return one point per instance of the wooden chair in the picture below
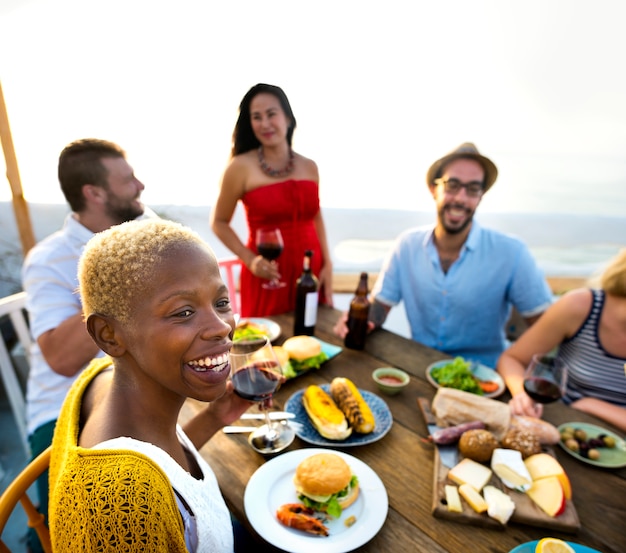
(228, 266)
(17, 492)
(13, 307)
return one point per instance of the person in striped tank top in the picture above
(588, 326)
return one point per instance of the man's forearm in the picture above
(378, 313)
(68, 347)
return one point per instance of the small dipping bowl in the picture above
(390, 380)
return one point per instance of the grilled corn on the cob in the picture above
(354, 407)
(325, 416)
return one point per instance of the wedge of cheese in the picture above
(548, 494)
(543, 465)
(510, 468)
(471, 473)
(499, 505)
(473, 497)
(453, 500)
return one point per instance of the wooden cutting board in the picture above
(526, 511)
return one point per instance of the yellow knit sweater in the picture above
(95, 492)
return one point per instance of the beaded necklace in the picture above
(275, 172)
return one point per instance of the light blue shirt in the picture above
(464, 311)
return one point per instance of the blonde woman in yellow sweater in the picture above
(124, 476)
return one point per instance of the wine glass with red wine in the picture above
(545, 378)
(257, 375)
(269, 243)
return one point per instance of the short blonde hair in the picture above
(118, 262)
(613, 279)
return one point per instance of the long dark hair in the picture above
(243, 135)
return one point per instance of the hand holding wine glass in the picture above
(269, 243)
(256, 375)
(545, 379)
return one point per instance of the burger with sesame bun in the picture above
(305, 353)
(324, 482)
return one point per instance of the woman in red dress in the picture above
(279, 188)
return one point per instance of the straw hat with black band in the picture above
(467, 150)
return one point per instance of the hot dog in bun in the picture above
(305, 352)
(324, 482)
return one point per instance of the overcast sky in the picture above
(379, 89)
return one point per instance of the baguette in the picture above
(452, 407)
(324, 414)
(546, 433)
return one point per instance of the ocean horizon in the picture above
(564, 245)
(549, 112)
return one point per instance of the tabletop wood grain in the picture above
(404, 461)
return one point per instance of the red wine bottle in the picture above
(357, 317)
(306, 299)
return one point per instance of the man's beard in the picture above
(123, 211)
(455, 229)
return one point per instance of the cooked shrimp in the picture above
(298, 516)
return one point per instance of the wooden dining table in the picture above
(404, 460)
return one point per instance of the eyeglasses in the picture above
(452, 186)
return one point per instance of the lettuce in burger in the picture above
(324, 482)
(305, 353)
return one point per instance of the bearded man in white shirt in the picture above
(102, 190)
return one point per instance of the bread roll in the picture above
(322, 474)
(302, 347)
(521, 440)
(478, 445)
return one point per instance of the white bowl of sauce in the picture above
(390, 380)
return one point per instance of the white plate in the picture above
(481, 372)
(273, 329)
(272, 486)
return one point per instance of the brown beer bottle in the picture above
(306, 299)
(357, 317)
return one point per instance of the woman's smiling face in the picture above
(268, 120)
(179, 333)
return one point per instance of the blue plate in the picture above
(329, 349)
(382, 418)
(529, 547)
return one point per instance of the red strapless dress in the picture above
(290, 206)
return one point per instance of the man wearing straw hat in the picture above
(101, 190)
(457, 279)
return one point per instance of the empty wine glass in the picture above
(256, 375)
(545, 379)
(269, 243)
